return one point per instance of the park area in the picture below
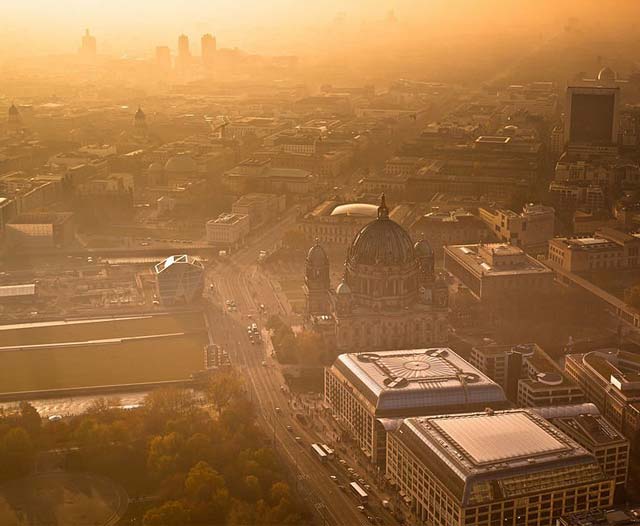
(69, 499)
(101, 352)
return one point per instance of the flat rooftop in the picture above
(499, 437)
(593, 429)
(227, 219)
(421, 379)
(469, 255)
(507, 453)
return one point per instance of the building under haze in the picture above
(505, 467)
(208, 49)
(88, 48)
(183, 59)
(389, 296)
(592, 122)
(362, 388)
(179, 279)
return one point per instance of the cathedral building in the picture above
(389, 297)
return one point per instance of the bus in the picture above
(328, 451)
(360, 494)
(319, 452)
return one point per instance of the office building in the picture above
(609, 248)
(183, 59)
(610, 378)
(228, 230)
(530, 230)
(601, 518)
(494, 272)
(529, 376)
(260, 208)
(599, 438)
(208, 49)
(362, 388)
(88, 47)
(510, 468)
(179, 279)
(592, 116)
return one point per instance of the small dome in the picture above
(381, 242)
(423, 248)
(317, 256)
(181, 164)
(607, 74)
(155, 167)
(343, 289)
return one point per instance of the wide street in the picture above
(239, 279)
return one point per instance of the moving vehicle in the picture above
(328, 451)
(317, 450)
(359, 493)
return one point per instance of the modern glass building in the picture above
(179, 279)
(510, 468)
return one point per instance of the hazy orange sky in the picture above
(136, 26)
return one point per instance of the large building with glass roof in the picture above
(366, 390)
(179, 279)
(506, 467)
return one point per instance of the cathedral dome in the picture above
(181, 163)
(607, 74)
(317, 256)
(381, 242)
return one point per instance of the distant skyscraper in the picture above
(163, 57)
(592, 115)
(88, 48)
(184, 55)
(208, 44)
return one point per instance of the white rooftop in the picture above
(499, 437)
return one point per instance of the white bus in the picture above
(360, 494)
(319, 452)
(328, 451)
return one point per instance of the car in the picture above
(278, 409)
(343, 461)
(144, 244)
(55, 418)
(334, 478)
(298, 440)
(156, 302)
(282, 388)
(371, 519)
(361, 509)
(289, 428)
(367, 487)
(351, 470)
(264, 363)
(361, 481)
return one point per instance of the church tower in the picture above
(317, 281)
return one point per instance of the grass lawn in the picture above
(155, 359)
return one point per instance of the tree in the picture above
(203, 481)
(221, 389)
(171, 513)
(16, 452)
(30, 417)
